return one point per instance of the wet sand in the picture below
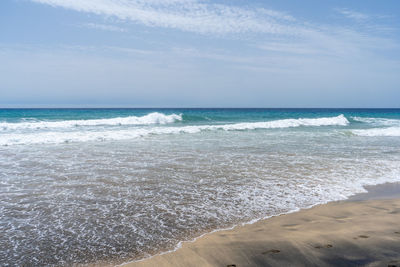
(361, 231)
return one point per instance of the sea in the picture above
(84, 186)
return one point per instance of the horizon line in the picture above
(127, 107)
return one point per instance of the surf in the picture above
(107, 134)
(152, 118)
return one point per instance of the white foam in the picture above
(391, 131)
(340, 191)
(124, 134)
(287, 123)
(378, 121)
(152, 118)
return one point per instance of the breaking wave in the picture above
(391, 131)
(378, 121)
(124, 134)
(152, 118)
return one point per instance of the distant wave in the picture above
(286, 123)
(124, 134)
(377, 121)
(152, 118)
(391, 131)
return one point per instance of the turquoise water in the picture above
(114, 185)
(190, 115)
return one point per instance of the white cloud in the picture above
(187, 15)
(351, 14)
(103, 27)
(207, 17)
(277, 32)
(294, 48)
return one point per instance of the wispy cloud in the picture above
(103, 27)
(187, 15)
(351, 14)
(290, 48)
(278, 33)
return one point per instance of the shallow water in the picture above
(80, 186)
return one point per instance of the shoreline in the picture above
(196, 252)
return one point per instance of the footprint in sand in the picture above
(290, 225)
(272, 251)
(361, 236)
(397, 232)
(394, 263)
(326, 246)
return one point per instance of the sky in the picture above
(199, 53)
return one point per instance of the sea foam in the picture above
(391, 131)
(152, 118)
(286, 123)
(378, 121)
(106, 134)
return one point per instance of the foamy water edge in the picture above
(180, 243)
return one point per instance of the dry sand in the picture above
(364, 231)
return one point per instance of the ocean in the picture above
(114, 185)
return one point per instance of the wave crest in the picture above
(152, 118)
(391, 131)
(125, 134)
(287, 123)
(378, 121)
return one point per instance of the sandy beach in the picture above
(362, 231)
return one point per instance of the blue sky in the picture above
(199, 53)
